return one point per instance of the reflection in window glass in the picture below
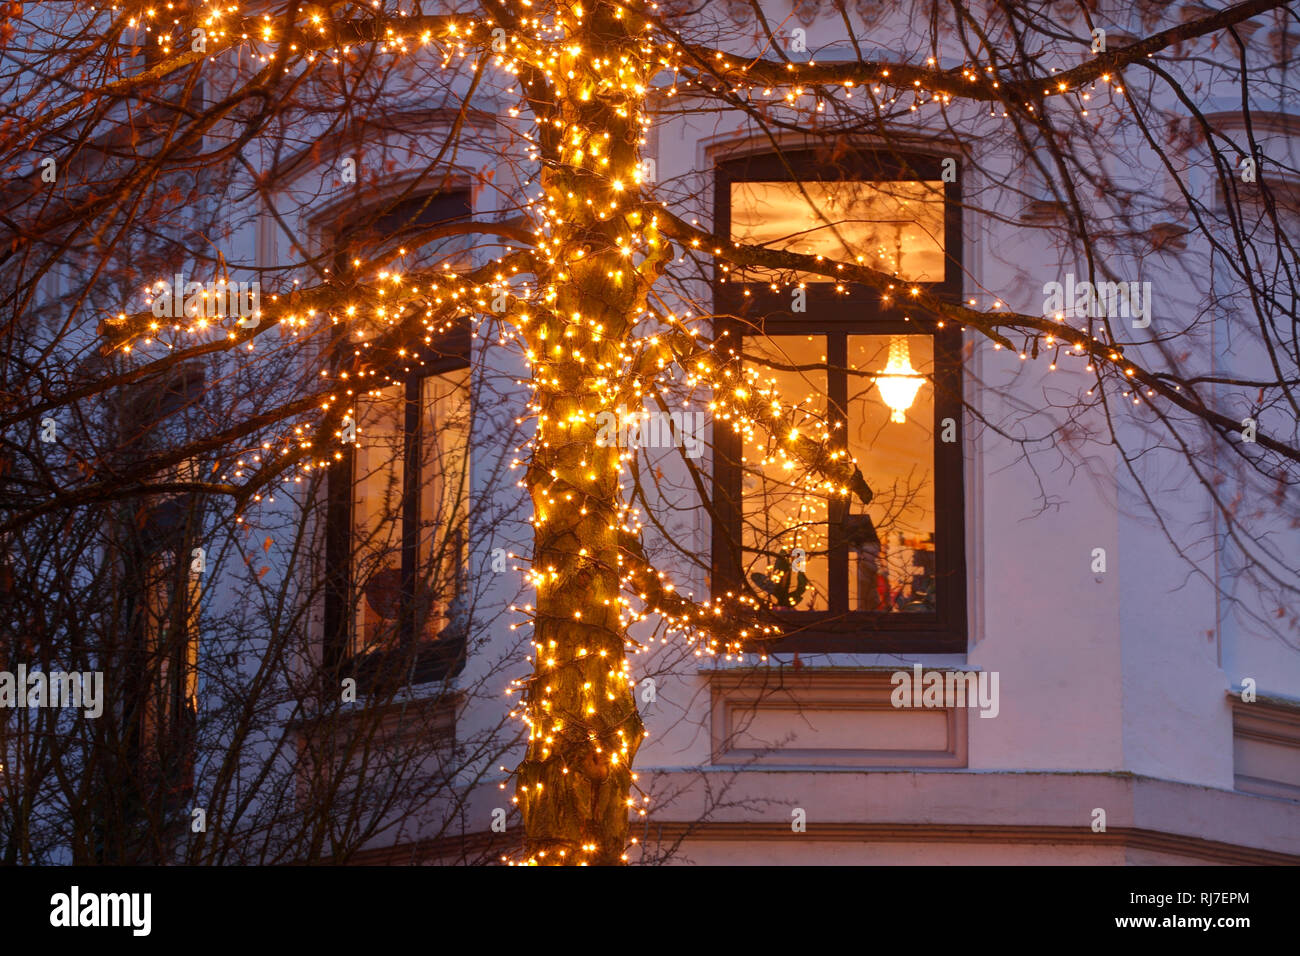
(891, 553)
(444, 501)
(791, 531)
(785, 517)
(377, 518)
(436, 524)
(400, 225)
(896, 227)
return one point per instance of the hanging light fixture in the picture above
(898, 381)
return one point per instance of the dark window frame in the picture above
(447, 352)
(856, 311)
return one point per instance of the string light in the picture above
(585, 355)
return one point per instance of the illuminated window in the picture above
(882, 380)
(891, 226)
(400, 502)
(410, 514)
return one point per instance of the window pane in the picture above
(399, 225)
(444, 503)
(405, 221)
(891, 541)
(377, 519)
(893, 226)
(784, 514)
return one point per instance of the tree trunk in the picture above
(574, 785)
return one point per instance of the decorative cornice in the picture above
(1135, 838)
(484, 846)
(367, 131)
(739, 11)
(807, 11)
(872, 12)
(1270, 121)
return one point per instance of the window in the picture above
(161, 589)
(398, 539)
(897, 227)
(841, 574)
(401, 222)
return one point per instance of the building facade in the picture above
(1006, 655)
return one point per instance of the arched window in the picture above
(843, 574)
(398, 519)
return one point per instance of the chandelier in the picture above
(898, 381)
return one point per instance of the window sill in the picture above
(837, 662)
(826, 632)
(432, 665)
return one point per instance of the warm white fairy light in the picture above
(551, 51)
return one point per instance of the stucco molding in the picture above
(1194, 850)
(737, 145)
(1266, 747)
(484, 846)
(836, 718)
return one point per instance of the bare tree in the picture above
(147, 142)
